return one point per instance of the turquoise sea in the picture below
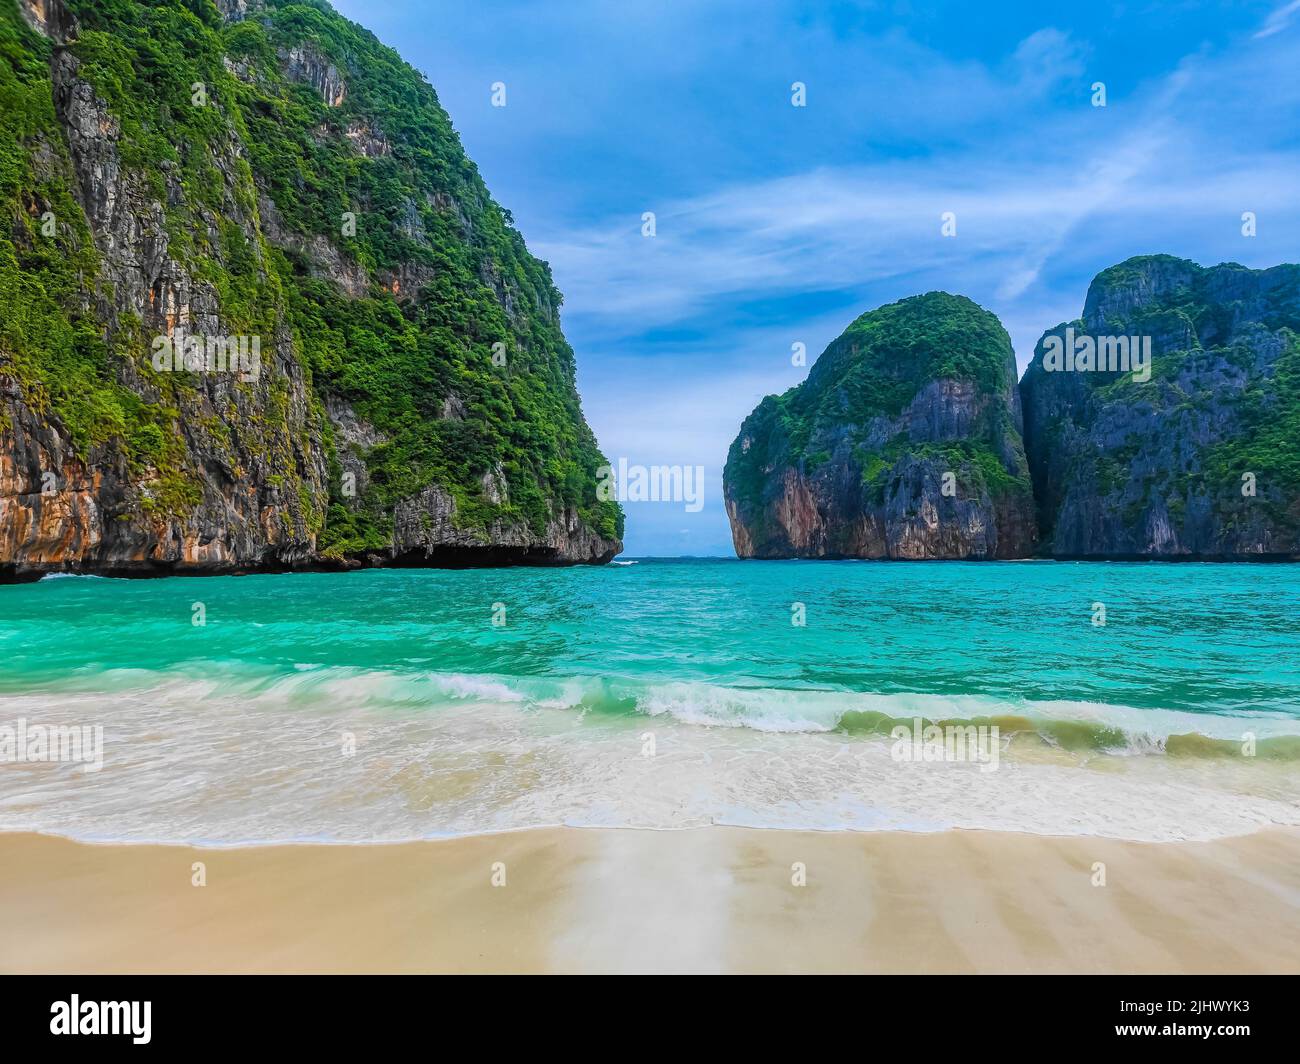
(393, 704)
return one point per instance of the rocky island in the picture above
(904, 442)
(1199, 460)
(1162, 424)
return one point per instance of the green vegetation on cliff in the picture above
(1201, 459)
(317, 186)
(1214, 310)
(47, 338)
(875, 369)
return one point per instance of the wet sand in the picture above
(706, 900)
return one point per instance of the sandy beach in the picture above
(707, 900)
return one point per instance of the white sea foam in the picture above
(459, 686)
(766, 709)
(760, 709)
(224, 757)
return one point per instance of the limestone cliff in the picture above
(904, 442)
(1195, 454)
(260, 312)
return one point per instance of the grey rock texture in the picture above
(1201, 461)
(59, 512)
(892, 448)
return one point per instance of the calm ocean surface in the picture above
(416, 703)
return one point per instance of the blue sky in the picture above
(778, 224)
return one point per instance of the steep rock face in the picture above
(287, 209)
(1201, 460)
(904, 442)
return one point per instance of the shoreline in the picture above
(714, 899)
(306, 842)
(13, 576)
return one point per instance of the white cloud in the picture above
(1046, 58)
(1278, 20)
(1127, 179)
(845, 228)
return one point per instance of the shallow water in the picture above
(388, 704)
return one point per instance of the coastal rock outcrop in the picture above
(903, 442)
(1190, 448)
(241, 285)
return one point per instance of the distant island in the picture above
(1162, 424)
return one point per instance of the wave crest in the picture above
(1075, 727)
